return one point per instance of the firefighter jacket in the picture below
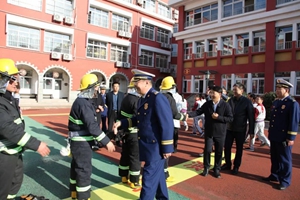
(128, 109)
(176, 115)
(13, 138)
(155, 126)
(83, 124)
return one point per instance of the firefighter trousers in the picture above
(81, 169)
(11, 175)
(130, 164)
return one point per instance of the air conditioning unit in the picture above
(69, 20)
(175, 14)
(128, 35)
(67, 56)
(121, 33)
(140, 2)
(58, 17)
(55, 55)
(119, 64)
(126, 65)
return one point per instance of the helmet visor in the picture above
(4, 78)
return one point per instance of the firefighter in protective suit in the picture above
(13, 138)
(83, 131)
(168, 88)
(130, 164)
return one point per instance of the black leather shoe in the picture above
(217, 174)
(281, 187)
(235, 171)
(225, 167)
(268, 179)
(205, 172)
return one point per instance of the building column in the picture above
(249, 83)
(192, 84)
(295, 32)
(232, 81)
(251, 39)
(206, 45)
(220, 6)
(40, 87)
(294, 82)
(180, 63)
(270, 56)
(270, 5)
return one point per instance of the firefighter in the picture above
(83, 132)
(168, 88)
(130, 164)
(13, 138)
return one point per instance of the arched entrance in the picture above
(28, 80)
(56, 84)
(101, 77)
(122, 79)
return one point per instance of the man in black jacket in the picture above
(217, 113)
(242, 109)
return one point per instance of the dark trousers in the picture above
(281, 163)
(130, 162)
(11, 174)
(112, 117)
(166, 165)
(81, 169)
(218, 142)
(239, 138)
(153, 181)
(175, 139)
(104, 127)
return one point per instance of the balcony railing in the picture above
(187, 56)
(211, 54)
(193, 22)
(226, 52)
(284, 45)
(258, 48)
(284, 1)
(199, 55)
(242, 50)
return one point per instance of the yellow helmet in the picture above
(88, 81)
(167, 83)
(8, 66)
(131, 84)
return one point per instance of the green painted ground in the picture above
(49, 176)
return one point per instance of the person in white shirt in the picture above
(183, 110)
(199, 101)
(259, 126)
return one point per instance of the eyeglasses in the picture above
(13, 79)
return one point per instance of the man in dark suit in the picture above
(217, 113)
(155, 125)
(113, 102)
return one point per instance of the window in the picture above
(118, 53)
(163, 36)
(226, 81)
(259, 41)
(55, 42)
(258, 83)
(98, 17)
(200, 49)
(25, 81)
(227, 45)
(212, 48)
(164, 10)
(188, 51)
(186, 88)
(298, 42)
(297, 83)
(284, 1)
(96, 49)
(62, 7)
(202, 15)
(23, 37)
(232, 7)
(161, 61)
(32, 4)
(120, 23)
(175, 28)
(149, 5)
(284, 38)
(242, 78)
(251, 5)
(147, 31)
(242, 44)
(174, 50)
(146, 58)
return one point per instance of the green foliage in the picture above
(268, 100)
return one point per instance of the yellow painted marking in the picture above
(181, 172)
(46, 115)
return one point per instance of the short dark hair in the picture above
(260, 96)
(240, 86)
(116, 83)
(217, 89)
(253, 96)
